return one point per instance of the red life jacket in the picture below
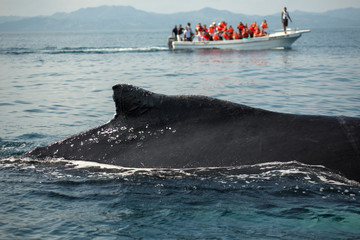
(206, 37)
(226, 36)
(252, 29)
(216, 38)
(257, 33)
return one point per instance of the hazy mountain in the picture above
(4, 19)
(125, 17)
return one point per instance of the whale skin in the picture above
(152, 130)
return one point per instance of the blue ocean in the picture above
(54, 85)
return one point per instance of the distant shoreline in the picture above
(118, 18)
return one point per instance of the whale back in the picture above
(139, 106)
(156, 130)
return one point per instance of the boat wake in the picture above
(80, 50)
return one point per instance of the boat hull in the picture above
(276, 40)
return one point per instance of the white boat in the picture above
(270, 41)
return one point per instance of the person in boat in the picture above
(180, 33)
(237, 35)
(187, 34)
(264, 26)
(219, 28)
(231, 30)
(199, 27)
(211, 30)
(226, 35)
(285, 16)
(204, 27)
(246, 33)
(190, 29)
(216, 37)
(197, 36)
(189, 26)
(174, 32)
(240, 26)
(259, 33)
(252, 29)
(205, 36)
(234, 36)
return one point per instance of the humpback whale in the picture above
(152, 130)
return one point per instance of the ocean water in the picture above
(54, 85)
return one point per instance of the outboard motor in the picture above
(170, 41)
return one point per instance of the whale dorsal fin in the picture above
(141, 106)
(131, 101)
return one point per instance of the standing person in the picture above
(180, 33)
(187, 34)
(284, 19)
(174, 32)
(190, 29)
(264, 26)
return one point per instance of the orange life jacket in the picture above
(206, 37)
(226, 36)
(216, 38)
(252, 29)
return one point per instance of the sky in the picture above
(27, 8)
